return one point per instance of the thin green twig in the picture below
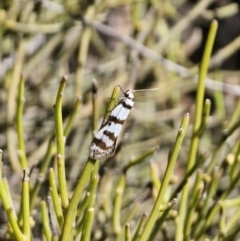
(127, 232)
(60, 144)
(196, 126)
(25, 205)
(72, 209)
(171, 162)
(9, 209)
(19, 119)
(45, 220)
(55, 197)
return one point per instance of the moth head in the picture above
(129, 94)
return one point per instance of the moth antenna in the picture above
(145, 90)
(121, 88)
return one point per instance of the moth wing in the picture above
(99, 151)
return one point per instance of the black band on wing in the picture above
(110, 135)
(125, 105)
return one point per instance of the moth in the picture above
(104, 142)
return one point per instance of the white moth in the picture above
(104, 142)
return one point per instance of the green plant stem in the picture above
(42, 171)
(186, 177)
(32, 28)
(89, 213)
(11, 105)
(50, 151)
(120, 190)
(127, 232)
(8, 193)
(118, 203)
(229, 131)
(112, 103)
(55, 197)
(232, 126)
(222, 222)
(88, 225)
(25, 205)
(200, 92)
(140, 158)
(95, 105)
(167, 205)
(219, 97)
(196, 194)
(163, 216)
(51, 225)
(171, 162)
(214, 209)
(60, 144)
(234, 170)
(45, 221)
(9, 209)
(105, 188)
(155, 175)
(211, 191)
(72, 117)
(83, 205)
(233, 221)
(232, 234)
(72, 209)
(83, 50)
(19, 124)
(55, 238)
(128, 217)
(205, 115)
(234, 117)
(196, 126)
(140, 227)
